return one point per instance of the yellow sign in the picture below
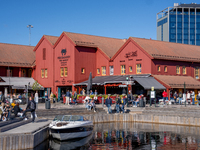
(152, 88)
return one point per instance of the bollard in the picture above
(102, 99)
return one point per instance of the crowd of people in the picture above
(10, 108)
(179, 97)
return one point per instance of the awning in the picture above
(17, 82)
(149, 82)
(178, 81)
(102, 80)
(144, 80)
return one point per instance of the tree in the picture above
(36, 86)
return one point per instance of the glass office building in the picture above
(179, 24)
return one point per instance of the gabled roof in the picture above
(51, 39)
(16, 55)
(178, 81)
(169, 50)
(108, 45)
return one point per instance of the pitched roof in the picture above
(178, 81)
(51, 39)
(108, 45)
(169, 50)
(16, 55)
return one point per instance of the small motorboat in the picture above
(65, 127)
(70, 144)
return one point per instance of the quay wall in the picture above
(146, 118)
(23, 141)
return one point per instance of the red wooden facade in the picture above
(70, 58)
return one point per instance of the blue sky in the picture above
(109, 18)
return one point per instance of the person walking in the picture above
(164, 94)
(118, 102)
(175, 96)
(51, 98)
(192, 95)
(180, 97)
(67, 97)
(75, 97)
(108, 104)
(123, 103)
(36, 99)
(30, 108)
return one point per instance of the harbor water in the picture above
(131, 136)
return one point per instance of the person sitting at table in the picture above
(136, 101)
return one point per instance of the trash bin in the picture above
(47, 104)
(141, 103)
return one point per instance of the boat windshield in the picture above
(58, 118)
(69, 118)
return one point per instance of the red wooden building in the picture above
(16, 66)
(65, 62)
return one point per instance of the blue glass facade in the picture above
(183, 25)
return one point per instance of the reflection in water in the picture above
(134, 136)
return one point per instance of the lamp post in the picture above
(131, 87)
(185, 94)
(29, 26)
(127, 85)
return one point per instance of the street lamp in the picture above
(29, 26)
(131, 87)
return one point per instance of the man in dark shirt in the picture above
(16, 109)
(30, 108)
(118, 102)
(108, 104)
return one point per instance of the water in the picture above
(114, 136)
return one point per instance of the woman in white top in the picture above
(188, 96)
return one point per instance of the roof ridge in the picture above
(51, 35)
(163, 41)
(17, 44)
(94, 35)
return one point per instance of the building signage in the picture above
(131, 54)
(63, 59)
(63, 81)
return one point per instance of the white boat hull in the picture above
(73, 135)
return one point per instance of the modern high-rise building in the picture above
(179, 24)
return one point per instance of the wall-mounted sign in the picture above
(69, 81)
(131, 54)
(63, 52)
(57, 81)
(63, 59)
(63, 81)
